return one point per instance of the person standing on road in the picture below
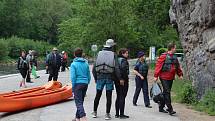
(167, 66)
(105, 71)
(122, 90)
(23, 67)
(64, 61)
(141, 72)
(53, 63)
(29, 58)
(80, 76)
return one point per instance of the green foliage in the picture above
(185, 92)
(161, 50)
(33, 19)
(188, 94)
(207, 104)
(13, 46)
(136, 25)
(3, 49)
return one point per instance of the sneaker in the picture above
(94, 114)
(123, 116)
(116, 116)
(108, 116)
(134, 104)
(148, 106)
(162, 111)
(172, 112)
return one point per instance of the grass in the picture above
(184, 92)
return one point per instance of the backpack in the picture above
(23, 64)
(105, 62)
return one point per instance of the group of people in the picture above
(54, 61)
(111, 69)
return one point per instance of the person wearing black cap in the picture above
(141, 72)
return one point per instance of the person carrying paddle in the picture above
(80, 76)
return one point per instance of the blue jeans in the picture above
(79, 94)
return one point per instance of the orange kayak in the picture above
(16, 102)
(49, 86)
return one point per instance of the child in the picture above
(80, 76)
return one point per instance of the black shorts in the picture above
(23, 72)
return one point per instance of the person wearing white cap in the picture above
(105, 67)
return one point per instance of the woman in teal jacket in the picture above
(80, 76)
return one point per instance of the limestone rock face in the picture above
(195, 22)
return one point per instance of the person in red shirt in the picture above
(167, 66)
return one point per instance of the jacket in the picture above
(124, 68)
(115, 76)
(167, 75)
(79, 71)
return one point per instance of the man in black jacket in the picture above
(122, 90)
(53, 63)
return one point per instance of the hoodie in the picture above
(80, 72)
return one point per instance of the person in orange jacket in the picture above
(167, 66)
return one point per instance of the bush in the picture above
(160, 51)
(3, 49)
(188, 94)
(185, 92)
(207, 104)
(16, 45)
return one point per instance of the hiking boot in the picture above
(123, 116)
(162, 111)
(94, 114)
(108, 116)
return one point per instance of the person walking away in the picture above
(122, 90)
(141, 72)
(64, 61)
(167, 66)
(23, 67)
(53, 63)
(80, 76)
(104, 69)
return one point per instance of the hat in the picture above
(140, 54)
(110, 43)
(63, 52)
(54, 48)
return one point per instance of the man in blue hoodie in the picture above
(80, 76)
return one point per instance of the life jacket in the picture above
(120, 59)
(105, 62)
(169, 61)
(23, 64)
(143, 68)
